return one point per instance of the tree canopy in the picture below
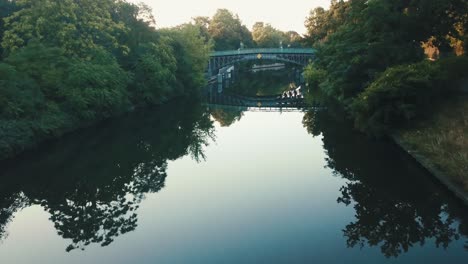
(228, 32)
(357, 41)
(68, 63)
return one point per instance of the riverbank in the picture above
(440, 144)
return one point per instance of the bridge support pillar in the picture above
(220, 82)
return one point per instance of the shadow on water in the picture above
(397, 204)
(92, 182)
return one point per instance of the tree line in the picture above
(371, 57)
(68, 63)
(226, 31)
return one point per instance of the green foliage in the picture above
(139, 24)
(7, 8)
(266, 36)
(403, 93)
(364, 43)
(76, 26)
(314, 76)
(19, 95)
(154, 78)
(203, 24)
(293, 40)
(47, 66)
(75, 62)
(192, 54)
(227, 31)
(95, 89)
(396, 97)
(373, 39)
(321, 23)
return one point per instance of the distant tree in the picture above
(293, 39)
(321, 23)
(139, 30)
(203, 23)
(227, 31)
(266, 36)
(316, 24)
(192, 54)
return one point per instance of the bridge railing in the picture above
(259, 51)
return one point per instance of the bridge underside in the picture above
(218, 62)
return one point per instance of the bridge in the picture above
(270, 102)
(220, 59)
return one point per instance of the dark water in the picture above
(184, 184)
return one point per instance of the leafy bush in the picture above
(47, 66)
(192, 55)
(154, 75)
(19, 95)
(15, 135)
(405, 92)
(95, 89)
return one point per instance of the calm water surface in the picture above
(187, 184)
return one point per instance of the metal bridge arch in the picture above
(221, 59)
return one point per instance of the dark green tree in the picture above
(7, 8)
(266, 36)
(75, 26)
(227, 31)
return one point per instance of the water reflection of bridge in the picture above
(257, 101)
(258, 109)
(261, 103)
(220, 70)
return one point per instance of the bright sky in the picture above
(284, 15)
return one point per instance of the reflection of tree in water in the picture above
(92, 185)
(9, 205)
(226, 116)
(98, 215)
(396, 206)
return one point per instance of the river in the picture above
(185, 183)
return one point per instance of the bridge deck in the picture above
(259, 51)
